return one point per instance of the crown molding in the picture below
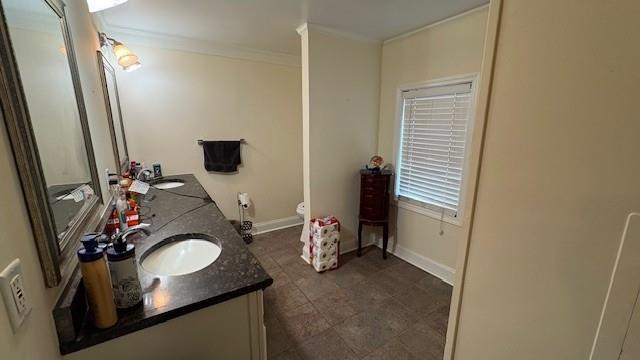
(33, 21)
(439, 22)
(172, 42)
(98, 21)
(335, 32)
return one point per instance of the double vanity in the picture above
(202, 288)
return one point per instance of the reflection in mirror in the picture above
(114, 112)
(40, 51)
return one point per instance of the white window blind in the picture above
(432, 146)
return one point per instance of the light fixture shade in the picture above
(98, 5)
(125, 56)
(132, 67)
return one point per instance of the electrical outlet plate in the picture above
(13, 294)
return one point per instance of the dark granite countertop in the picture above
(236, 272)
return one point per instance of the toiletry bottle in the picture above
(114, 188)
(133, 218)
(113, 223)
(132, 169)
(122, 206)
(134, 209)
(157, 170)
(97, 284)
(124, 273)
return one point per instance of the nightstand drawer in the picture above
(372, 212)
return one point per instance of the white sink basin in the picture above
(181, 257)
(65, 197)
(168, 185)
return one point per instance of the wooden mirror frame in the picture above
(57, 256)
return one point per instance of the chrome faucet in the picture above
(145, 174)
(132, 230)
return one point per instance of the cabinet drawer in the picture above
(372, 212)
(371, 197)
(374, 180)
(374, 189)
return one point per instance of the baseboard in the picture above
(277, 224)
(444, 272)
(348, 246)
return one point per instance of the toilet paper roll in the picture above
(321, 231)
(322, 243)
(321, 265)
(322, 256)
(331, 251)
(328, 264)
(244, 199)
(334, 238)
(333, 263)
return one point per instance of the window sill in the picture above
(427, 212)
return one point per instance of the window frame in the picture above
(420, 207)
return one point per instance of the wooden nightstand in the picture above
(374, 204)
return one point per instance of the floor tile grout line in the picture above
(331, 327)
(299, 306)
(363, 271)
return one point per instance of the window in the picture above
(432, 150)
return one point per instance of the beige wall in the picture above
(341, 123)
(36, 339)
(178, 97)
(449, 49)
(16, 241)
(560, 173)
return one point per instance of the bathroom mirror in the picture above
(114, 112)
(43, 108)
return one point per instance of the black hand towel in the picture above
(221, 156)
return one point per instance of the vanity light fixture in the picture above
(125, 57)
(99, 5)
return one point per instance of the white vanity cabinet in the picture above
(231, 330)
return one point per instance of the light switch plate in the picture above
(14, 295)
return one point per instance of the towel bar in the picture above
(242, 141)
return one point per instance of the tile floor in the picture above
(369, 308)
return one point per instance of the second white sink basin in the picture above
(181, 257)
(168, 185)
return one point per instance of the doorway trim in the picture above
(477, 144)
(622, 295)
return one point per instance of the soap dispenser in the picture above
(124, 273)
(95, 277)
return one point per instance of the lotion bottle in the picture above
(97, 283)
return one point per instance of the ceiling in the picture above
(269, 25)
